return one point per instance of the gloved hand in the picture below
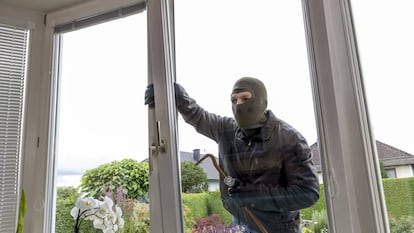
(243, 188)
(179, 91)
(246, 194)
(149, 96)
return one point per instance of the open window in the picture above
(349, 164)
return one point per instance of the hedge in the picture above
(205, 204)
(399, 198)
(197, 203)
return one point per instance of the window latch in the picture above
(160, 145)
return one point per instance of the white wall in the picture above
(213, 185)
(404, 171)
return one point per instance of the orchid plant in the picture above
(104, 214)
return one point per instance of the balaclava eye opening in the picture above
(251, 113)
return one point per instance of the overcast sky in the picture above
(104, 75)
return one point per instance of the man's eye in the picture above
(233, 100)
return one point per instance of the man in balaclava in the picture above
(269, 170)
(250, 111)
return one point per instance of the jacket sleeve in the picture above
(205, 123)
(301, 188)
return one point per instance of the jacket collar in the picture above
(265, 132)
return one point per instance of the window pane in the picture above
(102, 122)
(386, 49)
(218, 42)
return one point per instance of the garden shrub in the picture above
(319, 221)
(215, 206)
(318, 206)
(197, 203)
(210, 220)
(399, 196)
(65, 201)
(214, 223)
(403, 224)
(193, 178)
(127, 173)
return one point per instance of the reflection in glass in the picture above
(265, 41)
(386, 51)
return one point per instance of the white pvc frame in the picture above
(354, 194)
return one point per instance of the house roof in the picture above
(388, 155)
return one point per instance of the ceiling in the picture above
(42, 5)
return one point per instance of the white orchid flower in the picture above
(110, 218)
(75, 212)
(119, 216)
(108, 230)
(100, 212)
(98, 223)
(104, 207)
(84, 207)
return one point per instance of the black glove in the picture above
(243, 188)
(149, 96)
(179, 91)
(248, 194)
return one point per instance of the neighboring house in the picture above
(397, 163)
(207, 165)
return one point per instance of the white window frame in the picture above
(352, 177)
(164, 170)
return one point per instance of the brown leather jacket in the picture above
(274, 167)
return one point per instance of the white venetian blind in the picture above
(13, 50)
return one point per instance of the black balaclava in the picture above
(251, 113)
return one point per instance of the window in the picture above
(386, 51)
(343, 130)
(391, 173)
(101, 130)
(228, 40)
(13, 52)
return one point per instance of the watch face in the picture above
(229, 181)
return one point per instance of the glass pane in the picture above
(102, 125)
(218, 42)
(385, 42)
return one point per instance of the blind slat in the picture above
(13, 52)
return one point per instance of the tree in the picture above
(126, 174)
(193, 178)
(383, 171)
